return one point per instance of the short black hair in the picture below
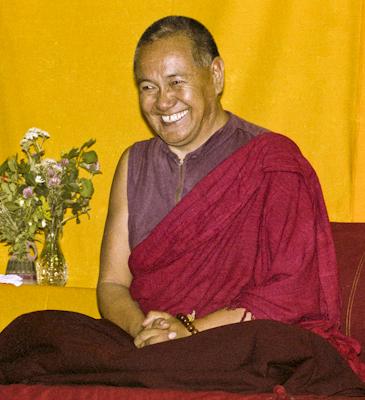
(204, 47)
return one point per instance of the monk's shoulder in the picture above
(279, 152)
(277, 142)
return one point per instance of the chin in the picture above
(173, 140)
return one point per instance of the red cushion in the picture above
(349, 241)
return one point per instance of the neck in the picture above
(220, 120)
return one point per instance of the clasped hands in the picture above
(158, 327)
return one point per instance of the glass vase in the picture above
(51, 266)
(24, 266)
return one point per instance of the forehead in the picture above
(172, 54)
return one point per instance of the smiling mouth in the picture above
(168, 119)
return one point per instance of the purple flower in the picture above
(50, 172)
(27, 192)
(54, 181)
(64, 162)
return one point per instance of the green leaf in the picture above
(74, 152)
(76, 208)
(12, 164)
(73, 187)
(41, 190)
(74, 173)
(11, 206)
(29, 179)
(32, 229)
(68, 203)
(23, 167)
(4, 167)
(12, 187)
(5, 188)
(89, 157)
(87, 187)
(88, 144)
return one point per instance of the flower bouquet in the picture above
(42, 194)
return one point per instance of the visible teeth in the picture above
(174, 117)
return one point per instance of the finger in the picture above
(147, 339)
(137, 342)
(145, 335)
(157, 339)
(160, 323)
(153, 315)
(140, 342)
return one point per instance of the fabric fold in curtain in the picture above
(358, 183)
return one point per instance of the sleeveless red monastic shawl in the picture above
(253, 233)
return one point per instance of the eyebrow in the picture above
(139, 81)
(175, 75)
(183, 75)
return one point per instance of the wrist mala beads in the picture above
(187, 323)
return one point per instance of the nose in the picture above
(165, 99)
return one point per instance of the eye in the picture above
(177, 82)
(146, 87)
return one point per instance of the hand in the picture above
(159, 327)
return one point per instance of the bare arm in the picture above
(114, 300)
(222, 317)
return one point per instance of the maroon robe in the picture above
(255, 234)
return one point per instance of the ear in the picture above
(217, 70)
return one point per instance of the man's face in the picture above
(178, 98)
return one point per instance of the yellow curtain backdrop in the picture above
(358, 182)
(293, 66)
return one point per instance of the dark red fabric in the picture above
(99, 392)
(349, 241)
(255, 234)
(55, 347)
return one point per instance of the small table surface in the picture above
(26, 298)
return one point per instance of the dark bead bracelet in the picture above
(187, 323)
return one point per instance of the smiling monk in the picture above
(217, 269)
(180, 78)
